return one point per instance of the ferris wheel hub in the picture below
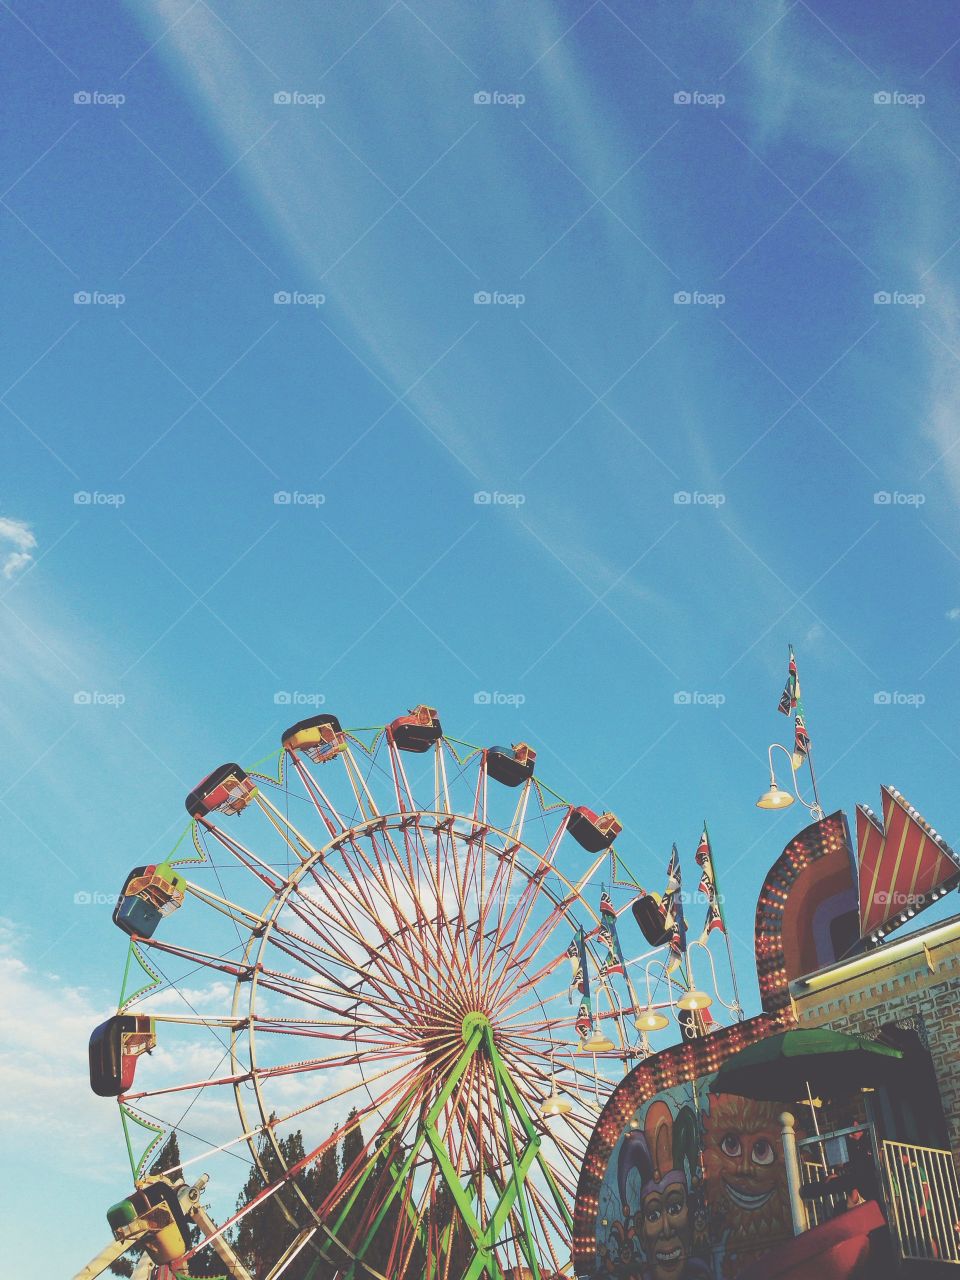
(472, 1023)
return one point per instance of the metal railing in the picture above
(923, 1201)
(819, 1208)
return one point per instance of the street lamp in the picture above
(775, 797)
(554, 1104)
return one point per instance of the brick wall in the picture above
(924, 986)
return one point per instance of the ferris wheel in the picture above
(388, 1001)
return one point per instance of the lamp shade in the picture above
(775, 798)
(651, 1019)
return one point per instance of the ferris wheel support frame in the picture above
(478, 1038)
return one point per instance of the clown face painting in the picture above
(655, 1239)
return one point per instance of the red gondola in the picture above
(511, 767)
(114, 1048)
(594, 833)
(227, 790)
(417, 731)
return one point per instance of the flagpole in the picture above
(809, 752)
(723, 919)
(813, 778)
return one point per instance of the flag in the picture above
(576, 966)
(672, 903)
(613, 962)
(713, 921)
(708, 887)
(584, 1021)
(801, 739)
(791, 690)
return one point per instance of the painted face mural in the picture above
(696, 1188)
(659, 1198)
(743, 1165)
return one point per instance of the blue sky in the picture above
(781, 198)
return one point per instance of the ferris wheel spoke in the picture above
(410, 881)
(201, 959)
(223, 905)
(384, 958)
(246, 857)
(292, 1170)
(294, 839)
(362, 793)
(380, 874)
(327, 811)
(527, 953)
(309, 994)
(528, 895)
(384, 989)
(405, 800)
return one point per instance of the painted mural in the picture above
(695, 1188)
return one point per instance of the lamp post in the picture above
(776, 798)
(651, 1019)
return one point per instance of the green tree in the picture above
(266, 1231)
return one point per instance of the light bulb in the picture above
(693, 999)
(651, 1020)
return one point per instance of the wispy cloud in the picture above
(18, 535)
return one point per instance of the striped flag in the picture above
(584, 1019)
(613, 961)
(791, 690)
(708, 887)
(801, 739)
(576, 966)
(672, 904)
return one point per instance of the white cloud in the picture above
(953, 614)
(19, 534)
(45, 1095)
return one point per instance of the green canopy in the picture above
(781, 1067)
